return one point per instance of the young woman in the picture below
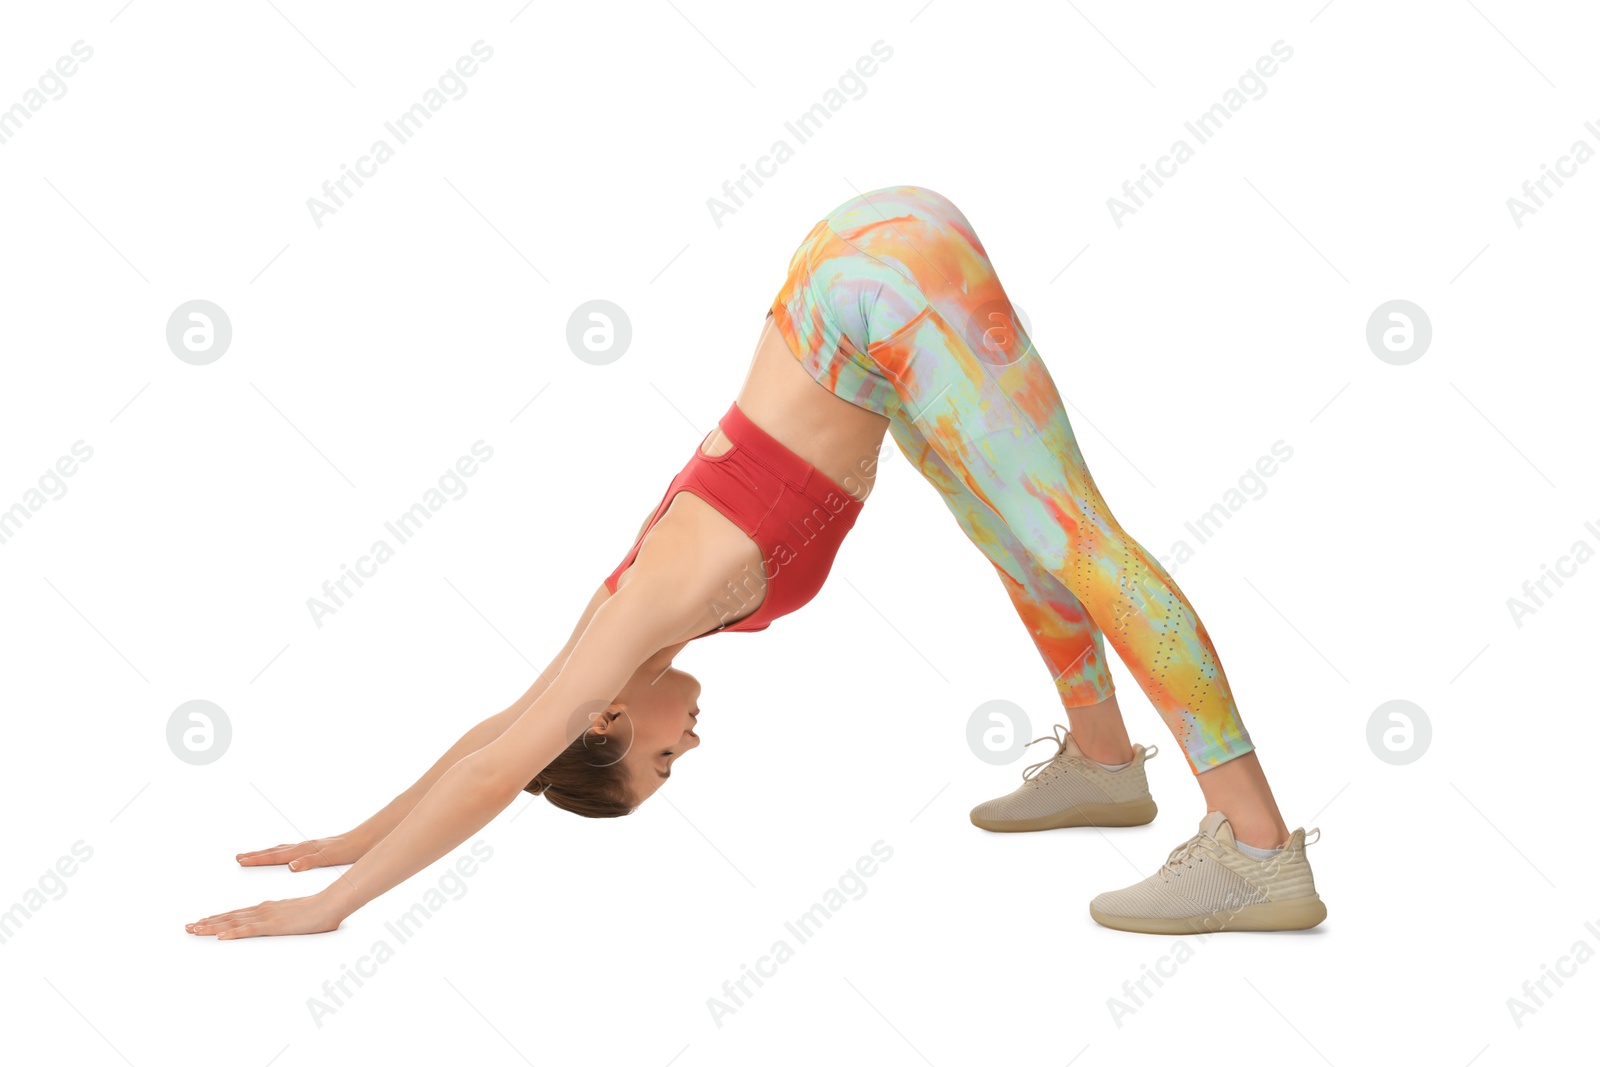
(891, 319)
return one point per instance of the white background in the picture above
(368, 354)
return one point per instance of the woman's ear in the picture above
(605, 720)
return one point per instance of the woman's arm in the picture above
(624, 631)
(349, 847)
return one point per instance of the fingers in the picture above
(275, 854)
(311, 859)
(231, 928)
(215, 923)
(264, 920)
(235, 913)
(252, 929)
(258, 927)
(300, 857)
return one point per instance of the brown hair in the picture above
(585, 780)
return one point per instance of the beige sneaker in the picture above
(1069, 789)
(1208, 885)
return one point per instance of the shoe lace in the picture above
(1185, 856)
(1038, 771)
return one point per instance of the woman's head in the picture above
(629, 749)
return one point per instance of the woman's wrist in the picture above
(341, 897)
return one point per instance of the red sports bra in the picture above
(794, 513)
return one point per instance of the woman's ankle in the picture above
(1098, 731)
(1238, 788)
(1105, 751)
(1262, 831)
(1103, 745)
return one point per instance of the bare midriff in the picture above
(835, 436)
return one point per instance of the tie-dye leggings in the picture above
(891, 302)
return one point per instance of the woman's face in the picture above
(653, 720)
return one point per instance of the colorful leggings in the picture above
(891, 302)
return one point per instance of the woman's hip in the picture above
(880, 277)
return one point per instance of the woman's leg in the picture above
(1068, 641)
(1146, 616)
(913, 295)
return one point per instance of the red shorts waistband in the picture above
(777, 457)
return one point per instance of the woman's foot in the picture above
(1209, 884)
(1070, 789)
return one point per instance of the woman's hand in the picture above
(322, 852)
(315, 914)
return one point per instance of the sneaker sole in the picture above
(1300, 913)
(1128, 813)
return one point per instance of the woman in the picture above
(892, 307)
